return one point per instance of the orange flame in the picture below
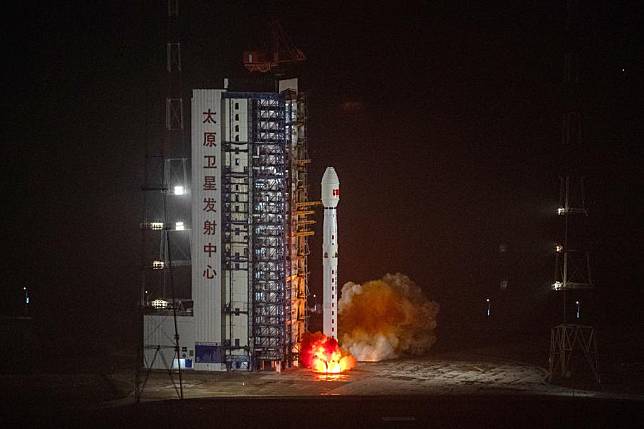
(324, 355)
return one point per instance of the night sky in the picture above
(442, 119)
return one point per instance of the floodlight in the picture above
(159, 303)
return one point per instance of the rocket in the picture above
(330, 199)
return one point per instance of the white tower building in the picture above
(242, 237)
(330, 199)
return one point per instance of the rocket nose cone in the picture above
(330, 177)
(330, 188)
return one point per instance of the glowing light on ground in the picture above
(324, 355)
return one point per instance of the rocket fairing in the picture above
(330, 198)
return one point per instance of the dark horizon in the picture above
(443, 122)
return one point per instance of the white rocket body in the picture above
(330, 199)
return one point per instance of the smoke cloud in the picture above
(383, 319)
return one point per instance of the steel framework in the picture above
(572, 260)
(236, 241)
(265, 229)
(165, 254)
(300, 222)
(565, 339)
(269, 213)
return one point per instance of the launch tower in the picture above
(249, 223)
(226, 224)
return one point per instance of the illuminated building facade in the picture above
(248, 232)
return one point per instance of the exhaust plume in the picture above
(323, 354)
(382, 319)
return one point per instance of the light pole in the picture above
(578, 309)
(25, 289)
(489, 307)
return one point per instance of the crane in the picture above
(282, 53)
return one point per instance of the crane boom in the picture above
(282, 53)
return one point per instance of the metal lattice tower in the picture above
(566, 340)
(300, 222)
(572, 258)
(264, 227)
(166, 188)
(270, 199)
(165, 288)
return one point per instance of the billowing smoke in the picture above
(382, 319)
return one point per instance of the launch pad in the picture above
(399, 377)
(440, 390)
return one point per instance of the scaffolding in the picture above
(269, 215)
(236, 241)
(300, 222)
(265, 229)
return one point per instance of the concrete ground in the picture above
(422, 376)
(442, 390)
